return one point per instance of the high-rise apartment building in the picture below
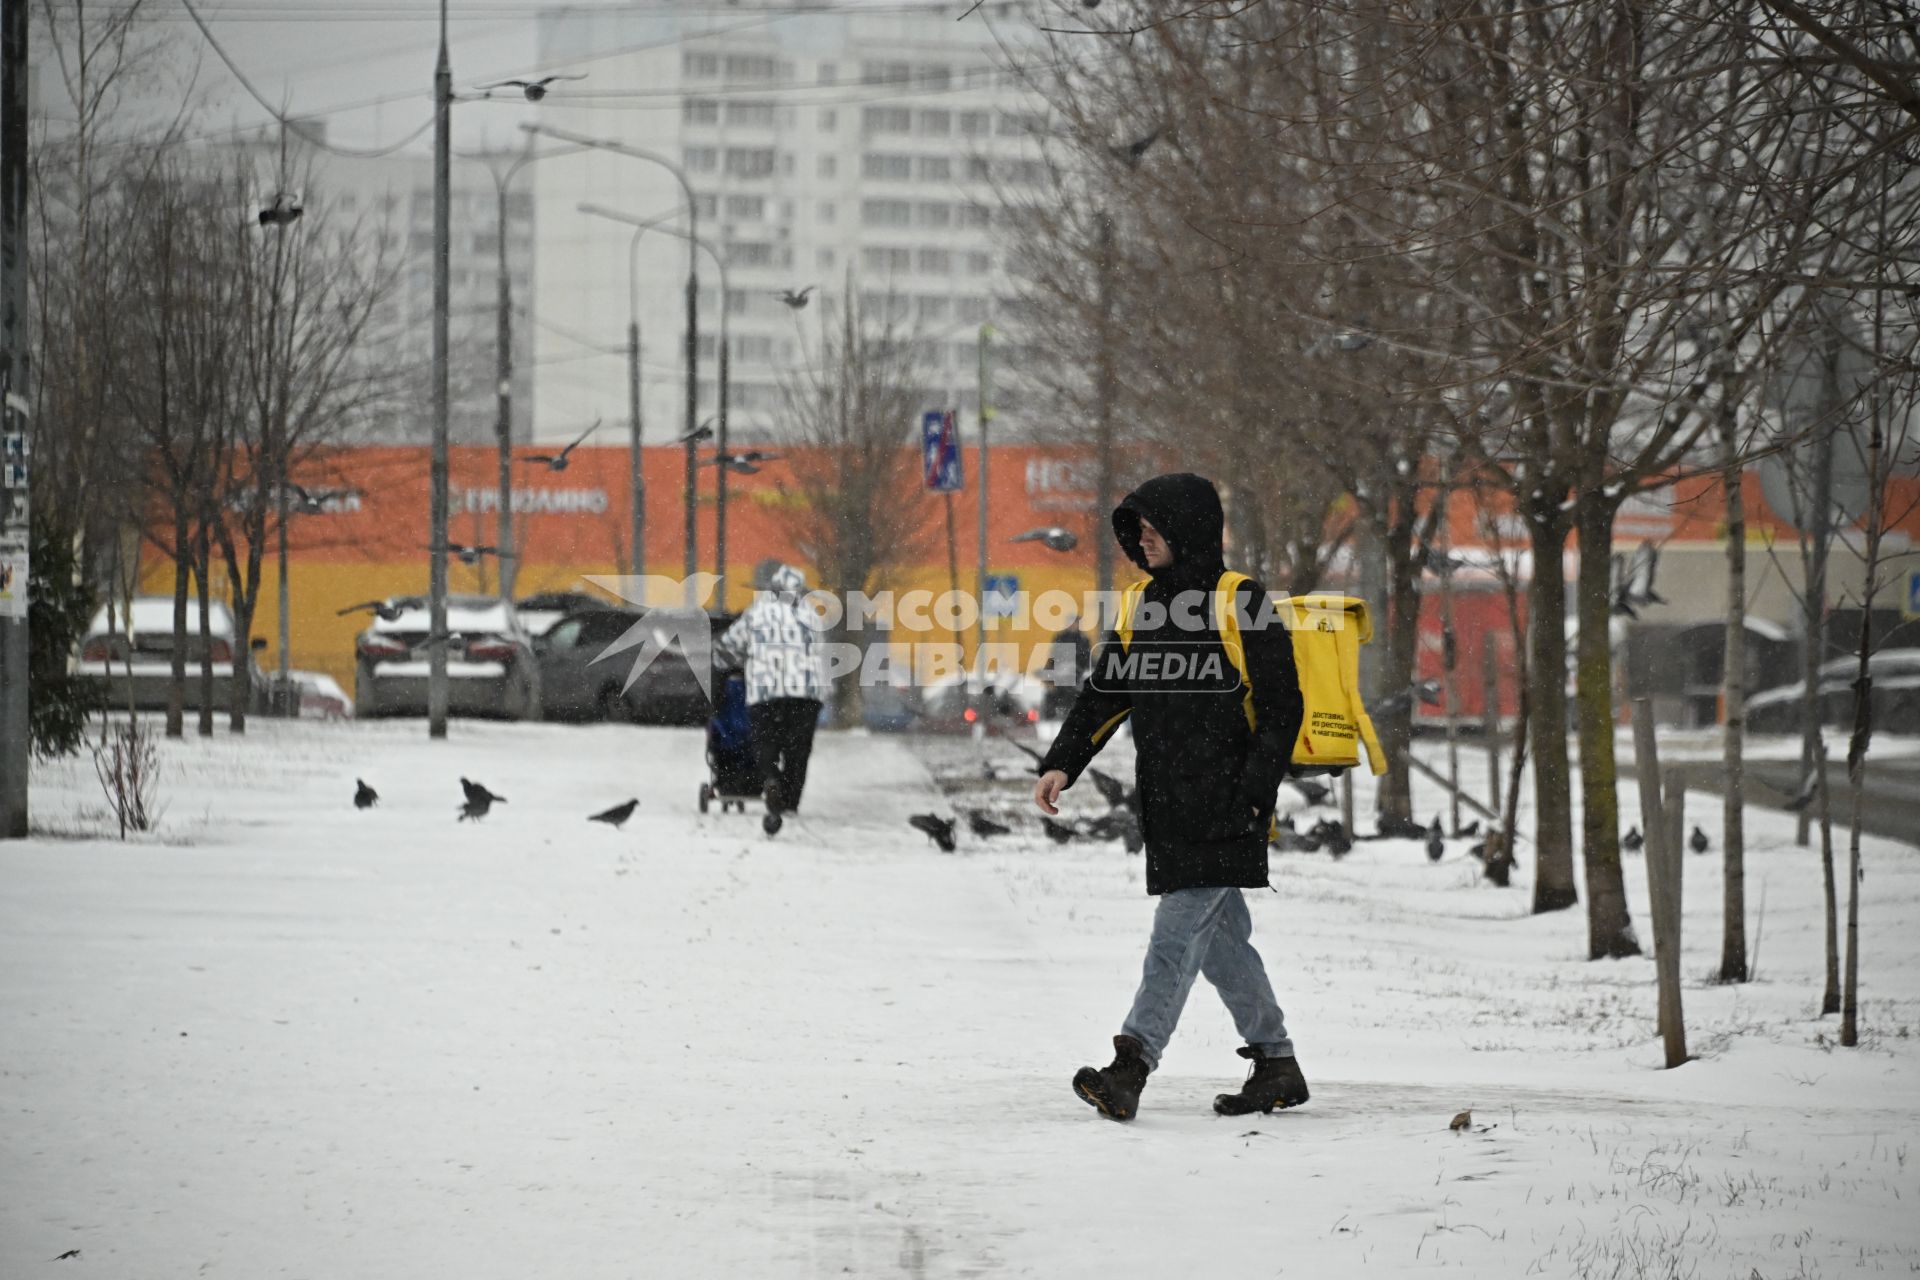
(838, 151)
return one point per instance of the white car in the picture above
(491, 669)
(130, 652)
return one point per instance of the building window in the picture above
(886, 119)
(705, 346)
(705, 205)
(886, 213)
(979, 264)
(829, 73)
(752, 347)
(750, 67)
(736, 302)
(974, 215)
(930, 308)
(823, 260)
(883, 261)
(700, 111)
(746, 208)
(936, 124)
(1016, 123)
(699, 65)
(971, 308)
(700, 159)
(827, 166)
(750, 162)
(827, 211)
(935, 169)
(885, 73)
(934, 76)
(934, 261)
(1024, 172)
(829, 119)
(978, 170)
(975, 124)
(750, 114)
(876, 165)
(749, 253)
(933, 214)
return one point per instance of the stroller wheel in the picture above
(706, 796)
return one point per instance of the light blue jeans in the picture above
(1205, 931)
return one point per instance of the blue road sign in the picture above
(1001, 591)
(940, 451)
(1913, 593)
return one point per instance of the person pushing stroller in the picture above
(778, 643)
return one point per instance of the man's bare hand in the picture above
(1046, 792)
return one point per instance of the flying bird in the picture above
(702, 432)
(1053, 536)
(283, 212)
(1436, 841)
(1461, 1121)
(308, 502)
(1058, 832)
(1808, 790)
(558, 461)
(364, 796)
(533, 89)
(1315, 792)
(384, 610)
(983, 826)
(746, 463)
(1471, 829)
(938, 829)
(793, 299)
(68, 1255)
(1038, 757)
(1116, 793)
(617, 816)
(1698, 841)
(471, 555)
(480, 801)
(1633, 580)
(1130, 153)
(1633, 841)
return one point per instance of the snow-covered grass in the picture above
(281, 1037)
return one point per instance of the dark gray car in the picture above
(580, 681)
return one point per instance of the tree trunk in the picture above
(177, 676)
(1553, 883)
(1814, 544)
(202, 558)
(240, 689)
(1394, 800)
(1733, 694)
(1609, 924)
(1830, 996)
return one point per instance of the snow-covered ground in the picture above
(285, 1038)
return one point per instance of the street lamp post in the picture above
(503, 360)
(720, 442)
(442, 248)
(693, 307)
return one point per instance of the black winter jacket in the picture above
(1207, 783)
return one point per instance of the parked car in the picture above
(132, 654)
(1896, 695)
(538, 612)
(491, 668)
(577, 683)
(1006, 704)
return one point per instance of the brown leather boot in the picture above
(1274, 1084)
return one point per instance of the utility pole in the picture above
(636, 472)
(503, 422)
(721, 466)
(442, 250)
(15, 536)
(986, 420)
(1103, 426)
(692, 532)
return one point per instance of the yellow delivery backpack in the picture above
(1327, 632)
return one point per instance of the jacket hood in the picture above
(1185, 508)
(787, 583)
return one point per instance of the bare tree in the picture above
(854, 481)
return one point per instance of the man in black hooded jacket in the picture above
(1208, 781)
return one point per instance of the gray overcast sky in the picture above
(366, 66)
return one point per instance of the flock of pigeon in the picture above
(480, 801)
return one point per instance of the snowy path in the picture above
(287, 1039)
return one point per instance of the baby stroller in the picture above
(733, 764)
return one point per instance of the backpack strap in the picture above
(1226, 621)
(1129, 603)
